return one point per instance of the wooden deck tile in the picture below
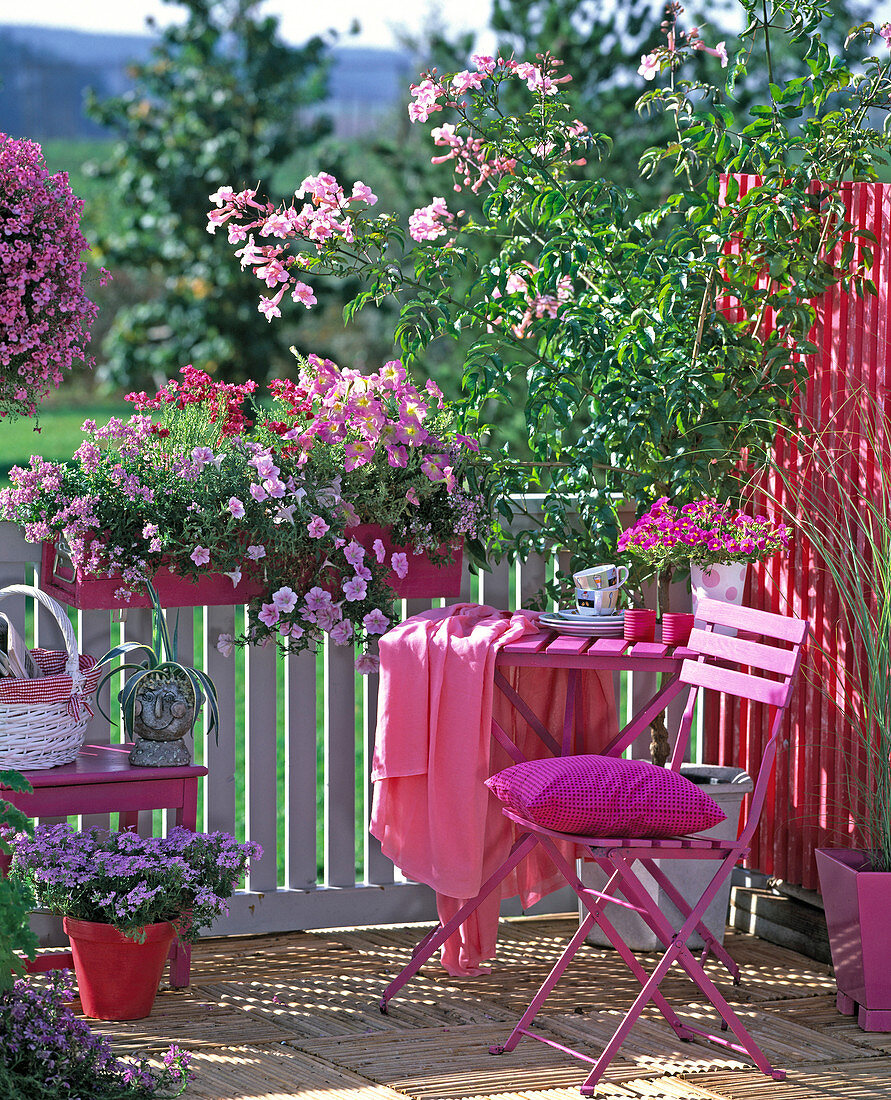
(191, 1019)
(254, 1073)
(295, 1017)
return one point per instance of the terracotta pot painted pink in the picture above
(857, 903)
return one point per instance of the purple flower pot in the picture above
(857, 903)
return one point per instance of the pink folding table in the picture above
(102, 780)
(547, 649)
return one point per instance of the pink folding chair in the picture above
(539, 793)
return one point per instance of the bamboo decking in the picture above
(278, 1017)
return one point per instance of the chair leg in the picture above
(712, 947)
(438, 935)
(677, 950)
(595, 915)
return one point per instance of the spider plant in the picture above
(159, 657)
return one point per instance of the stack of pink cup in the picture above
(640, 625)
(676, 627)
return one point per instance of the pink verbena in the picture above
(44, 311)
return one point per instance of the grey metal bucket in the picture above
(728, 787)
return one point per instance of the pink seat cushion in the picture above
(603, 796)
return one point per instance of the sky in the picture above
(300, 19)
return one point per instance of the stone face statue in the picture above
(164, 713)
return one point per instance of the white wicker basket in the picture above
(42, 722)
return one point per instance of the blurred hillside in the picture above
(45, 72)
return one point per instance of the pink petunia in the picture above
(269, 614)
(380, 551)
(285, 599)
(256, 552)
(200, 555)
(317, 598)
(355, 589)
(316, 527)
(341, 632)
(376, 622)
(354, 553)
(367, 663)
(399, 564)
(236, 507)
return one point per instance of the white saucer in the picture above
(574, 616)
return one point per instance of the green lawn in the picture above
(59, 435)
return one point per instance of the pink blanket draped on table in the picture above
(434, 816)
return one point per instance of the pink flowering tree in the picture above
(45, 313)
(651, 347)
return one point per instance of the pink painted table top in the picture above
(566, 651)
(106, 764)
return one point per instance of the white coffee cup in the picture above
(594, 602)
(601, 577)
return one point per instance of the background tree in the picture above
(222, 99)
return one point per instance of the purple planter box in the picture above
(857, 903)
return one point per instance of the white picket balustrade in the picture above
(290, 768)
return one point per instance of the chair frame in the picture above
(617, 856)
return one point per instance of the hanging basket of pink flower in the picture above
(45, 313)
(348, 491)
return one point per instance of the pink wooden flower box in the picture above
(424, 579)
(85, 591)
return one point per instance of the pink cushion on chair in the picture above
(604, 796)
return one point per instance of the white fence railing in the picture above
(290, 768)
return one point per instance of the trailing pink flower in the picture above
(44, 311)
(399, 565)
(200, 555)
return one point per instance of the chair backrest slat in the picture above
(782, 627)
(744, 652)
(762, 690)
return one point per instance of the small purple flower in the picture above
(380, 551)
(256, 552)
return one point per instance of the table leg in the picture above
(181, 953)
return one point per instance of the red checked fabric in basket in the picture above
(600, 796)
(55, 686)
(43, 721)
